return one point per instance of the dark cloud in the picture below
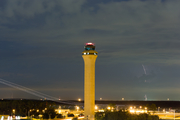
(41, 44)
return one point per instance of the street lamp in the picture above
(158, 109)
(29, 112)
(14, 111)
(96, 107)
(174, 114)
(77, 108)
(112, 109)
(145, 109)
(59, 111)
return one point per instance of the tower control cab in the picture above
(89, 49)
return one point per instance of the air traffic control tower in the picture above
(89, 55)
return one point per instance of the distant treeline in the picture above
(28, 107)
(161, 104)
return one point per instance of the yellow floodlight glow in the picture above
(96, 107)
(77, 108)
(132, 111)
(137, 111)
(14, 111)
(59, 111)
(101, 110)
(108, 108)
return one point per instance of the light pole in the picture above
(174, 114)
(96, 108)
(158, 109)
(14, 111)
(29, 112)
(77, 108)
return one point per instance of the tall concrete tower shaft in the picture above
(89, 56)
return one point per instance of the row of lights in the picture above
(88, 53)
(11, 118)
(29, 110)
(80, 99)
(96, 108)
(139, 107)
(134, 110)
(36, 110)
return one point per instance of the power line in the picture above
(31, 91)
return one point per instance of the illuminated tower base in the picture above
(89, 56)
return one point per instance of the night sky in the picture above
(138, 45)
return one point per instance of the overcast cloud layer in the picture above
(137, 43)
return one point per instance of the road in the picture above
(168, 116)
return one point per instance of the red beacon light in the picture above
(89, 46)
(89, 43)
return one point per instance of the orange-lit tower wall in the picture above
(89, 55)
